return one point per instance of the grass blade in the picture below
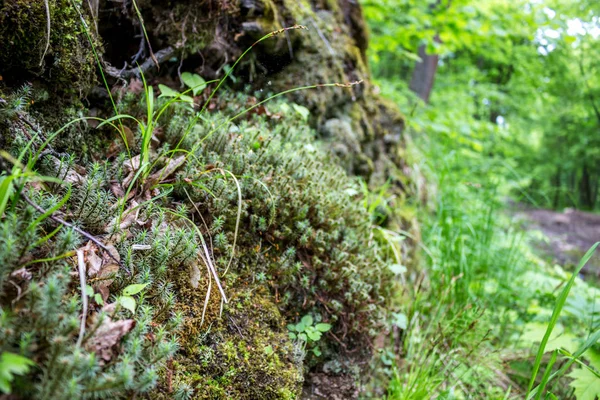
(560, 302)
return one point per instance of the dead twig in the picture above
(160, 57)
(47, 32)
(69, 225)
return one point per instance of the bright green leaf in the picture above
(128, 303)
(585, 383)
(323, 327)
(268, 350)
(134, 289)
(307, 320)
(166, 91)
(10, 365)
(194, 82)
(302, 111)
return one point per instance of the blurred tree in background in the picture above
(516, 81)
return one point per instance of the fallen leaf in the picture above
(107, 336)
(117, 190)
(104, 279)
(172, 165)
(135, 86)
(128, 136)
(93, 262)
(131, 166)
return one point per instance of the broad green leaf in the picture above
(98, 299)
(316, 351)
(314, 335)
(593, 357)
(128, 303)
(291, 327)
(585, 383)
(292, 335)
(194, 82)
(134, 289)
(166, 91)
(307, 320)
(323, 327)
(400, 320)
(10, 365)
(303, 337)
(300, 327)
(302, 111)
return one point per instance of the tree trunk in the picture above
(424, 73)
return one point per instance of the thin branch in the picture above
(47, 31)
(76, 229)
(160, 57)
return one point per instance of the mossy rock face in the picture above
(207, 37)
(48, 46)
(274, 204)
(276, 214)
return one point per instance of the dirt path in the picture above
(569, 235)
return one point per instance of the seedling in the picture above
(309, 333)
(127, 300)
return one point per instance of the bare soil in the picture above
(569, 235)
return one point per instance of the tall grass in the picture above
(461, 293)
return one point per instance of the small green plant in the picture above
(309, 333)
(11, 365)
(560, 302)
(127, 300)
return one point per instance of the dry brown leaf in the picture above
(117, 190)
(172, 165)
(104, 279)
(102, 268)
(93, 261)
(129, 136)
(135, 85)
(107, 336)
(113, 252)
(131, 166)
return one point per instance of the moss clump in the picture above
(303, 247)
(301, 233)
(243, 354)
(67, 67)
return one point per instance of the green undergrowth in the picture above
(202, 257)
(478, 300)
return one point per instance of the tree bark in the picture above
(424, 73)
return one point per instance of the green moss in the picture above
(68, 66)
(243, 354)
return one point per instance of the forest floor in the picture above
(566, 237)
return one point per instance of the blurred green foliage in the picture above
(518, 82)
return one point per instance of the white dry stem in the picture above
(207, 298)
(207, 258)
(47, 31)
(81, 265)
(237, 220)
(94, 6)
